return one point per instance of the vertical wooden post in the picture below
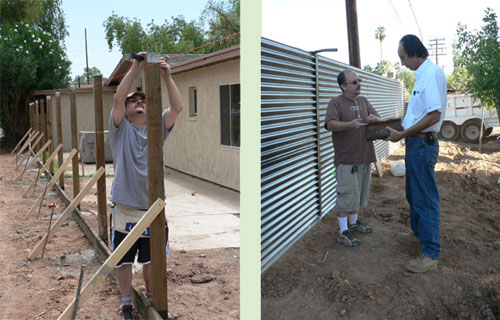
(352, 33)
(100, 159)
(49, 131)
(31, 109)
(44, 128)
(37, 119)
(60, 155)
(155, 182)
(74, 145)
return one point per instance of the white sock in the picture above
(343, 224)
(353, 218)
(126, 301)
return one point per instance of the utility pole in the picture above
(87, 57)
(437, 46)
(352, 33)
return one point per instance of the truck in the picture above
(463, 119)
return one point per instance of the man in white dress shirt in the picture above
(421, 123)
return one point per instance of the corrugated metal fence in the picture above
(297, 185)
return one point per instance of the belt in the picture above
(421, 135)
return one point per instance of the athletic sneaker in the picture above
(127, 313)
(347, 239)
(360, 227)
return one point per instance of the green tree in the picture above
(383, 67)
(480, 56)
(223, 18)
(177, 35)
(83, 77)
(380, 36)
(32, 58)
(406, 76)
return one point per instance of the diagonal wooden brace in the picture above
(116, 256)
(20, 141)
(36, 156)
(30, 150)
(44, 168)
(52, 181)
(74, 203)
(26, 144)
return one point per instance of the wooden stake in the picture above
(77, 299)
(100, 159)
(378, 167)
(52, 206)
(155, 183)
(60, 156)
(74, 143)
(56, 176)
(37, 121)
(107, 267)
(76, 201)
(45, 166)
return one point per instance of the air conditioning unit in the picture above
(88, 147)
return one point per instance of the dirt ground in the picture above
(319, 278)
(201, 284)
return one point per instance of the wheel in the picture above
(470, 131)
(449, 131)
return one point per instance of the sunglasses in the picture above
(137, 99)
(355, 82)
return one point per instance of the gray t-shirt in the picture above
(129, 147)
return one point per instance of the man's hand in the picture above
(164, 66)
(357, 123)
(394, 135)
(372, 118)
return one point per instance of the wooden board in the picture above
(108, 266)
(36, 156)
(76, 201)
(26, 144)
(20, 141)
(45, 166)
(59, 172)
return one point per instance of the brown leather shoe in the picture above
(422, 264)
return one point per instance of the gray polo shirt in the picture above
(129, 147)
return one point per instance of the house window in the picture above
(230, 114)
(193, 102)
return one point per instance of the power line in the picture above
(397, 14)
(437, 46)
(414, 16)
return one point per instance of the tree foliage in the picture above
(480, 56)
(176, 35)
(32, 58)
(82, 79)
(380, 36)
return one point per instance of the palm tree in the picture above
(380, 36)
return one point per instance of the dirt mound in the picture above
(321, 279)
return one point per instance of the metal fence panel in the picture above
(298, 187)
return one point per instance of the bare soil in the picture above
(321, 279)
(201, 284)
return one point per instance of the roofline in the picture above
(76, 90)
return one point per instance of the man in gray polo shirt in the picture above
(129, 193)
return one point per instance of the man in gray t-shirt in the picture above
(129, 193)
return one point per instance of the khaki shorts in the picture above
(353, 186)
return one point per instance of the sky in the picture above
(91, 14)
(318, 24)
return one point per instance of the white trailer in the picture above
(463, 118)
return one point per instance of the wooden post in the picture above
(155, 182)
(44, 127)
(60, 156)
(107, 267)
(352, 33)
(49, 130)
(74, 145)
(37, 120)
(100, 159)
(31, 109)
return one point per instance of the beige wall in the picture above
(85, 114)
(194, 147)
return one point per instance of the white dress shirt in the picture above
(429, 94)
